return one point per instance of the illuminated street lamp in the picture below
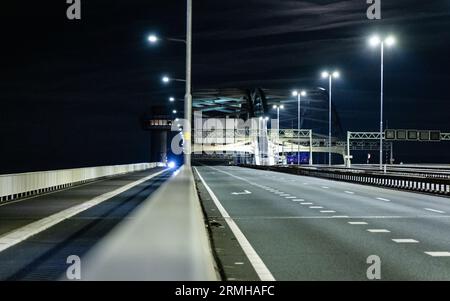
(167, 79)
(376, 41)
(299, 95)
(188, 95)
(153, 39)
(330, 76)
(278, 107)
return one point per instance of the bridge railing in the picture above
(438, 186)
(15, 186)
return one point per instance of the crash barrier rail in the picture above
(16, 186)
(398, 170)
(405, 182)
(166, 239)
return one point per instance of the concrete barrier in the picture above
(16, 186)
(166, 239)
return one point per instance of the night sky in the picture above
(73, 93)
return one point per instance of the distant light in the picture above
(295, 93)
(171, 99)
(166, 79)
(390, 41)
(374, 41)
(303, 93)
(281, 107)
(174, 111)
(177, 119)
(152, 38)
(171, 164)
(336, 74)
(274, 107)
(266, 119)
(260, 118)
(325, 74)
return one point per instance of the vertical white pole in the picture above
(329, 123)
(188, 96)
(381, 106)
(298, 127)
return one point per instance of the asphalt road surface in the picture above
(43, 256)
(305, 228)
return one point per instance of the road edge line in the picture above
(19, 235)
(261, 269)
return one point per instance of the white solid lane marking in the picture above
(405, 241)
(256, 261)
(340, 216)
(316, 207)
(349, 192)
(438, 254)
(434, 210)
(383, 199)
(36, 227)
(328, 211)
(357, 223)
(378, 230)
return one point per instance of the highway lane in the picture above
(307, 228)
(43, 256)
(22, 212)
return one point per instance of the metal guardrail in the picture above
(405, 182)
(166, 239)
(15, 186)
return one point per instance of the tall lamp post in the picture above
(299, 95)
(188, 96)
(278, 107)
(376, 41)
(330, 77)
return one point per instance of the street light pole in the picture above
(188, 96)
(387, 41)
(299, 95)
(381, 105)
(298, 127)
(329, 121)
(330, 77)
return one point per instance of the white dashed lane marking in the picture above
(325, 187)
(298, 200)
(378, 230)
(357, 223)
(438, 254)
(434, 210)
(306, 203)
(327, 211)
(316, 207)
(349, 192)
(383, 199)
(405, 241)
